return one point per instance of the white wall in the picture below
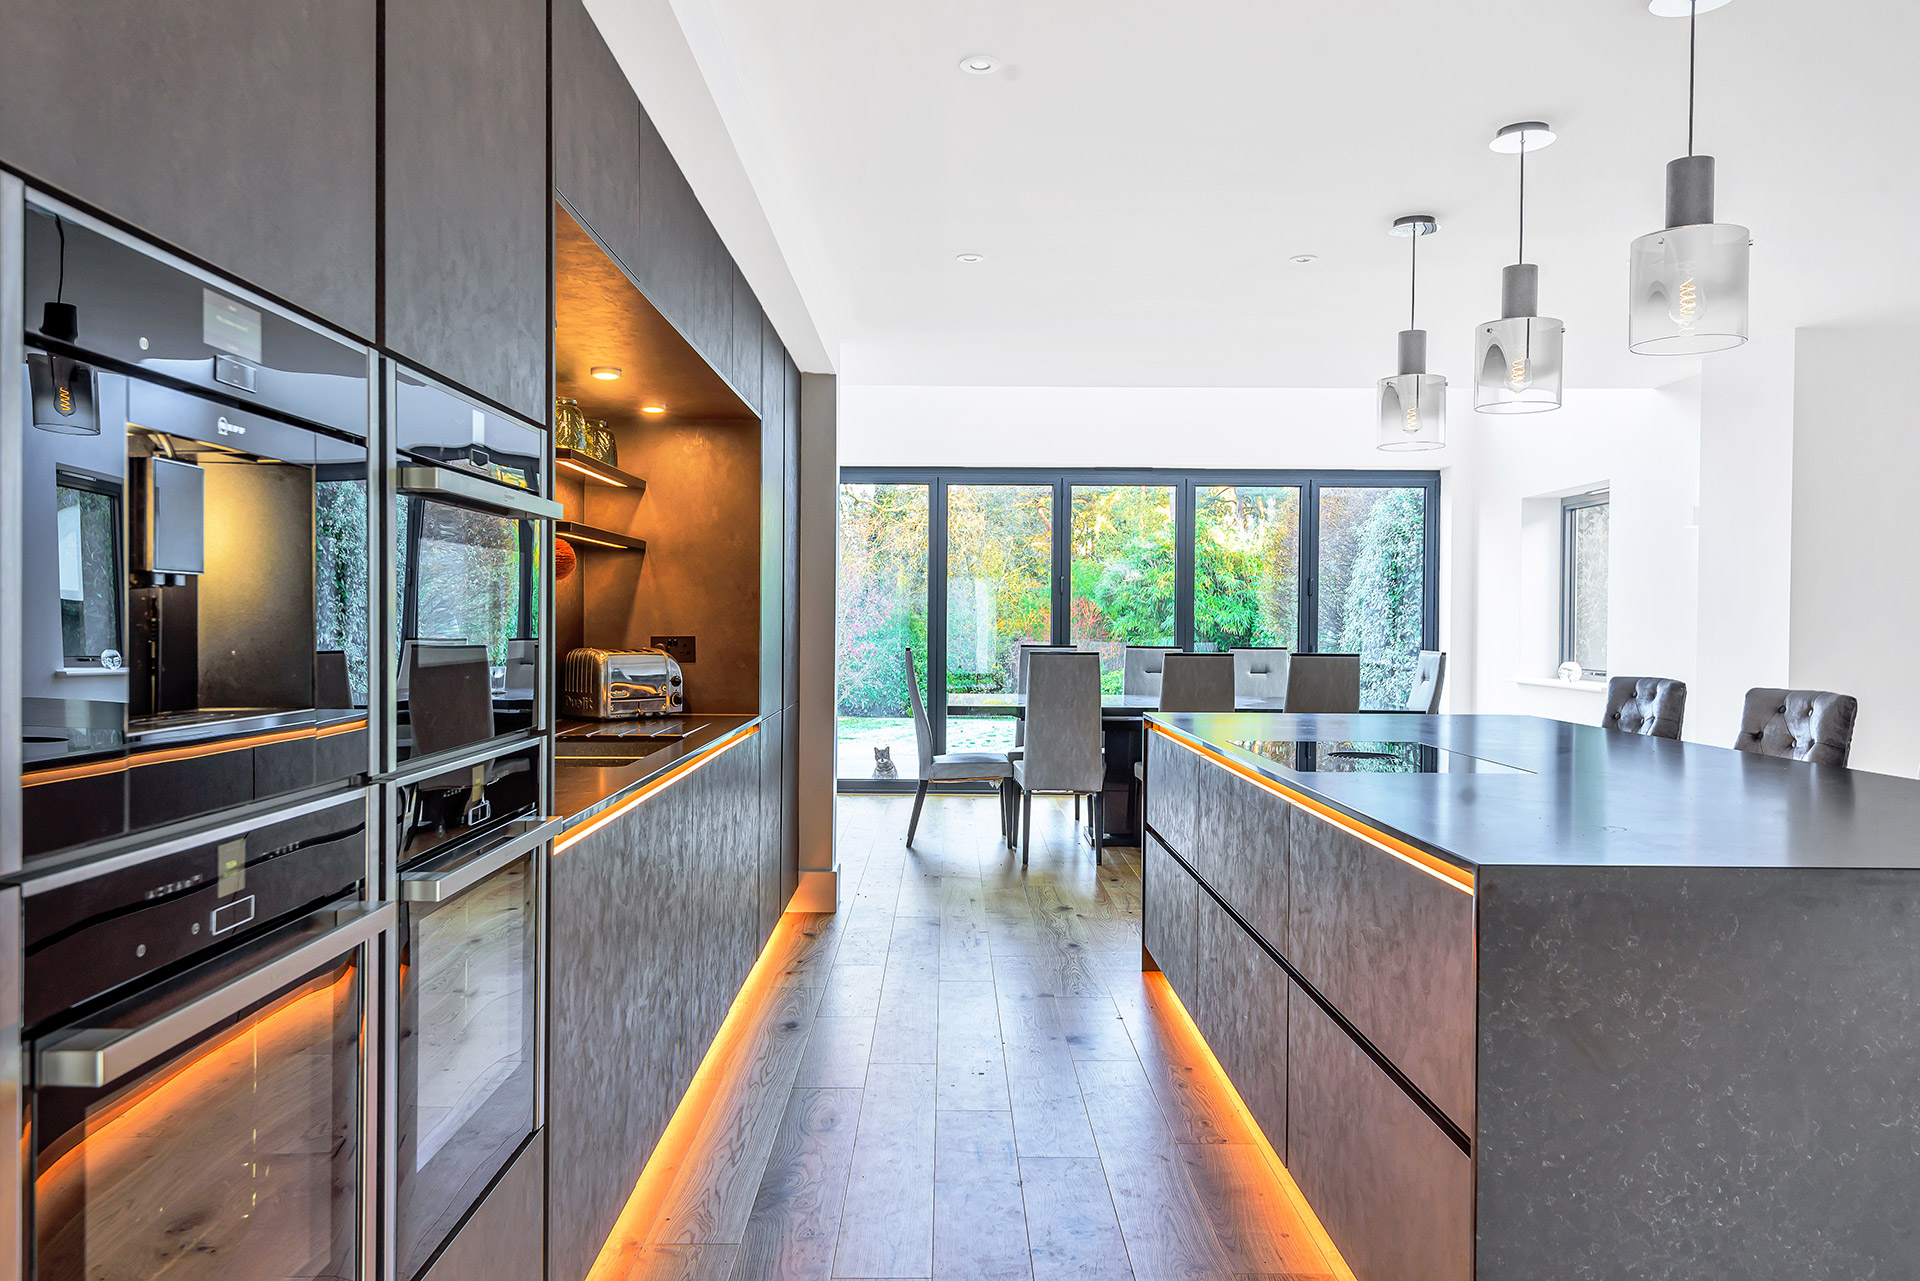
(1855, 613)
(1644, 447)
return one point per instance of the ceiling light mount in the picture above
(1414, 225)
(1301, 260)
(1683, 8)
(605, 373)
(969, 259)
(980, 64)
(1528, 135)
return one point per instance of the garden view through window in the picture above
(957, 569)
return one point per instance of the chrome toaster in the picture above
(606, 685)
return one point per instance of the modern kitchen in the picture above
(695, 640)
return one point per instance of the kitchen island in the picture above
(1519, 999)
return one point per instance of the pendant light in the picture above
(1687, 285)
(1517, 358)
(1413, 403)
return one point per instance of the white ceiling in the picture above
(1140, 171)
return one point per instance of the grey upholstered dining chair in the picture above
(1027, 650)
(1143, 667)
(1323, 683)
(1063, 754)
(1649, 705)
(1429, 678)
(1197, 683)
(954, 767)
(1799, 724)
(1260, 671)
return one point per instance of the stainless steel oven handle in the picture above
(93, 1057)
(457, 487)
(441, 884)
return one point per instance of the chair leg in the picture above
(1076, 807)
(1026, 827)
(1098, 803)
(1006, 812)
(913, 824)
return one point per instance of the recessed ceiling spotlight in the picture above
(1682, 8)
(1304, 259)
(653, 409)
(1530, 135)
(985, 64)
(969, 258)
(605, 373)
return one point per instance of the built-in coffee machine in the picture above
(194, 522)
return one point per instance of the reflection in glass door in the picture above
(1372, 600)
(999, 593)
(882, 613)
(1123, 572)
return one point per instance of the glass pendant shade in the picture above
(1413, 412)
(1687, 290)
(1517, 365)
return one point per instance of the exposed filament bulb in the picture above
(1686, 303)
(1519, 376)
(1412, 427)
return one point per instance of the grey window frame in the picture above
(1185, 484)
(1570, 507)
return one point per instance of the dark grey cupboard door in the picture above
(773, 520)
(467, 205)
(596, 133)
(241, 134)
(744, 370)
(685, 270)
(790, 606)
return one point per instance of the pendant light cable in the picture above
(1523, 200)
(1693, 24)
(1413, 280)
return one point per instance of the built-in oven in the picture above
(472, 527)
(194, 584)
(197, 1055)
(468, 1004)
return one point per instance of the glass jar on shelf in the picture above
(602, 444)
(570, 426)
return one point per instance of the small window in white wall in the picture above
(1583, 582)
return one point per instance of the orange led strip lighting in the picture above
(1196, 1048)
(577, 834)
(1433, 865)
(723, 1064)
(218, 748)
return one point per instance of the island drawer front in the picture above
(1391, 1189)
(1167, 915)
(1173, 792)
(1241, 849)
(1391, 946)
(1240, 1007)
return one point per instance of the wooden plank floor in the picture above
(964, 1074)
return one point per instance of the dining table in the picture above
(1123, 731)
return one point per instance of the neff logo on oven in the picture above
(164, 891)
(227, 428)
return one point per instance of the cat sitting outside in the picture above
(883, 766)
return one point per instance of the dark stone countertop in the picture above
(1591, 797)
(581, 791)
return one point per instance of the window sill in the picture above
(1547, 682)
(89, 671)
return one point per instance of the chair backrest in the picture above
(1063, 723)
(1323, 683)
(1027, 650)
(1260, 671)
(1197, 683)
(922, 727)
(1144, 668)
(1428, 679)
(1799, 724)
(1649, 705)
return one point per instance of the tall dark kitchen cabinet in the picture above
(466, 264)
(596, 134)
(242, 134)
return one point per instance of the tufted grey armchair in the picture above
(1649, 705)
(1799, 724)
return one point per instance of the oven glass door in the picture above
(468, 979)
(468, 625)
(234, 1156)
